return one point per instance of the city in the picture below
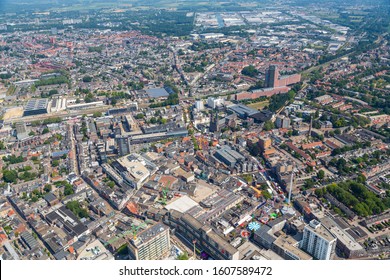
(243, 130)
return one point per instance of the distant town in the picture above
(174, 131)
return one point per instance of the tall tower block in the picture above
(272, 77)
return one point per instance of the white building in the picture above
(318, 241)
(199, 105)
(213, 102)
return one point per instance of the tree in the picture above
(266, 194)
(68, 189)
(182, 256)
(10, 176)
(250, 71)
(89, 98)
(55, 163)
(268, 125)
(87, 79)
(47, 188)
(139, 116)
(321, 174)
(97, 114)
(45, 130)
(76, 208)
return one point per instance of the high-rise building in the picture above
(150, 244)
(123, 144)
(21, 130)
(318, 241)
(214, 122)
(199, 105)
(272, 77)
(282, 122)
(213, 102)
(265, 143)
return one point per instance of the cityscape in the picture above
(195, 130)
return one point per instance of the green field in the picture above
(258, 105)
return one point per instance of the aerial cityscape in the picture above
(194, 130)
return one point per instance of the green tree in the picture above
(47, 188)
(183, 256)
(321, 174)
(250, 71)
(97, 114)
(10, 176)
(87, 79)
(268, 125)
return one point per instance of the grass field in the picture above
(258, 105)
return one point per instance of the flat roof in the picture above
(134, 166)
(242, 109)
(322, 231)
(341, 235)
(157, 92)
(183, 204)
(289, 244)
(36, 104)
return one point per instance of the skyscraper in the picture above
(272, 77)
(123, 144)
(318, 241)
(214, 122)
(151, 244)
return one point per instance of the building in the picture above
(287, 247)
(133, 170)
(229, 156)
(274, 80)
(345, 241)
(214, 122)
(213, 102)
(199, 105)
(271, 77)
(318, 241)
(123, 144)
(265, 143)
(35, 107)
(151, 244)
(65, 219)
(191, 231)
(21, 130)
(282, 122)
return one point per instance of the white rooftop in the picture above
(183, 204)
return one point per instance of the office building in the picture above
(265, 143)
(213, 102)
(199, 105)
(214, 122)
(21, 130)
(271, 77)
(274, 80)
(35, 107)
(123, 144)
(65, 219)
(318, 241)
(191, 231)
(229, 156)
(282, 122)
(151, 244)
(133, 170)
